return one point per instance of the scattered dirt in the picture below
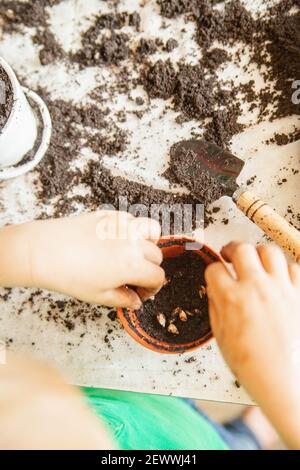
(6, 98)
(273, 42)
(196, 96)
(171, 44)
(106, 189)
(178, 313)
(160, 80)
(70, 124)
(213, 58)
(284, 139)
(50, 50)
(17, 13)
(146, 47)
(223, 125)
(111, 51)
(173, 8)
(194, 91)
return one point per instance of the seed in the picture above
(177, 311)
(161, 319)
(173, 329)
(190, 314)
(9, 14)
(174, 314)
(182, 315)
(202, 292)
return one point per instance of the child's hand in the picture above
(93, 257)
(40, 411)
(255, 318)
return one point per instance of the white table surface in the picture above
(121, 363)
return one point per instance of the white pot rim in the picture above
(14, 171)
(15, 89)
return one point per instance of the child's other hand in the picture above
(93, 257)
(255, 318)
(40, 411)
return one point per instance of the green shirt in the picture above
(153, 422)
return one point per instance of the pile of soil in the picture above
(179, 312)
(284, 139)
(106, 189)
(6, 98)
(273, 41)
(194, 90)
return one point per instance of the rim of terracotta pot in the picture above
(171, 247)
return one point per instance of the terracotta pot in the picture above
(171, 247)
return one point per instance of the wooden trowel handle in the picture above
(275, 226)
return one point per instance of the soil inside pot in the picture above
(179, 312)
(6, 98)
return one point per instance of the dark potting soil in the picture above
(179, 312)
(106, 189)
(274, 42)
(146, 47)
(171, 44)
(193, 91)
(112, 50)
(57, 177)
(284, 139)
(196, 95)
(6, 98)
(51, 51)
(187, 170)
(214, 58)
(32, 13)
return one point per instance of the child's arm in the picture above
(40, 411)
(256, 321)
(90, 257)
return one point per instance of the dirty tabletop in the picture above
(97, 352)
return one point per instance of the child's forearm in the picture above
(15, 256)
(86, 257)
(32, 392)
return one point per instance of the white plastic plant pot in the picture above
(26, 129)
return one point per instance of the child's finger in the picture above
(146, 294)
(151, 252)
(113, 214)
(294, 271)
(274, 262)
(149, 276)
(121, 297)
(144, 228)
(213, 317)
(244, 259)
(219, 283)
